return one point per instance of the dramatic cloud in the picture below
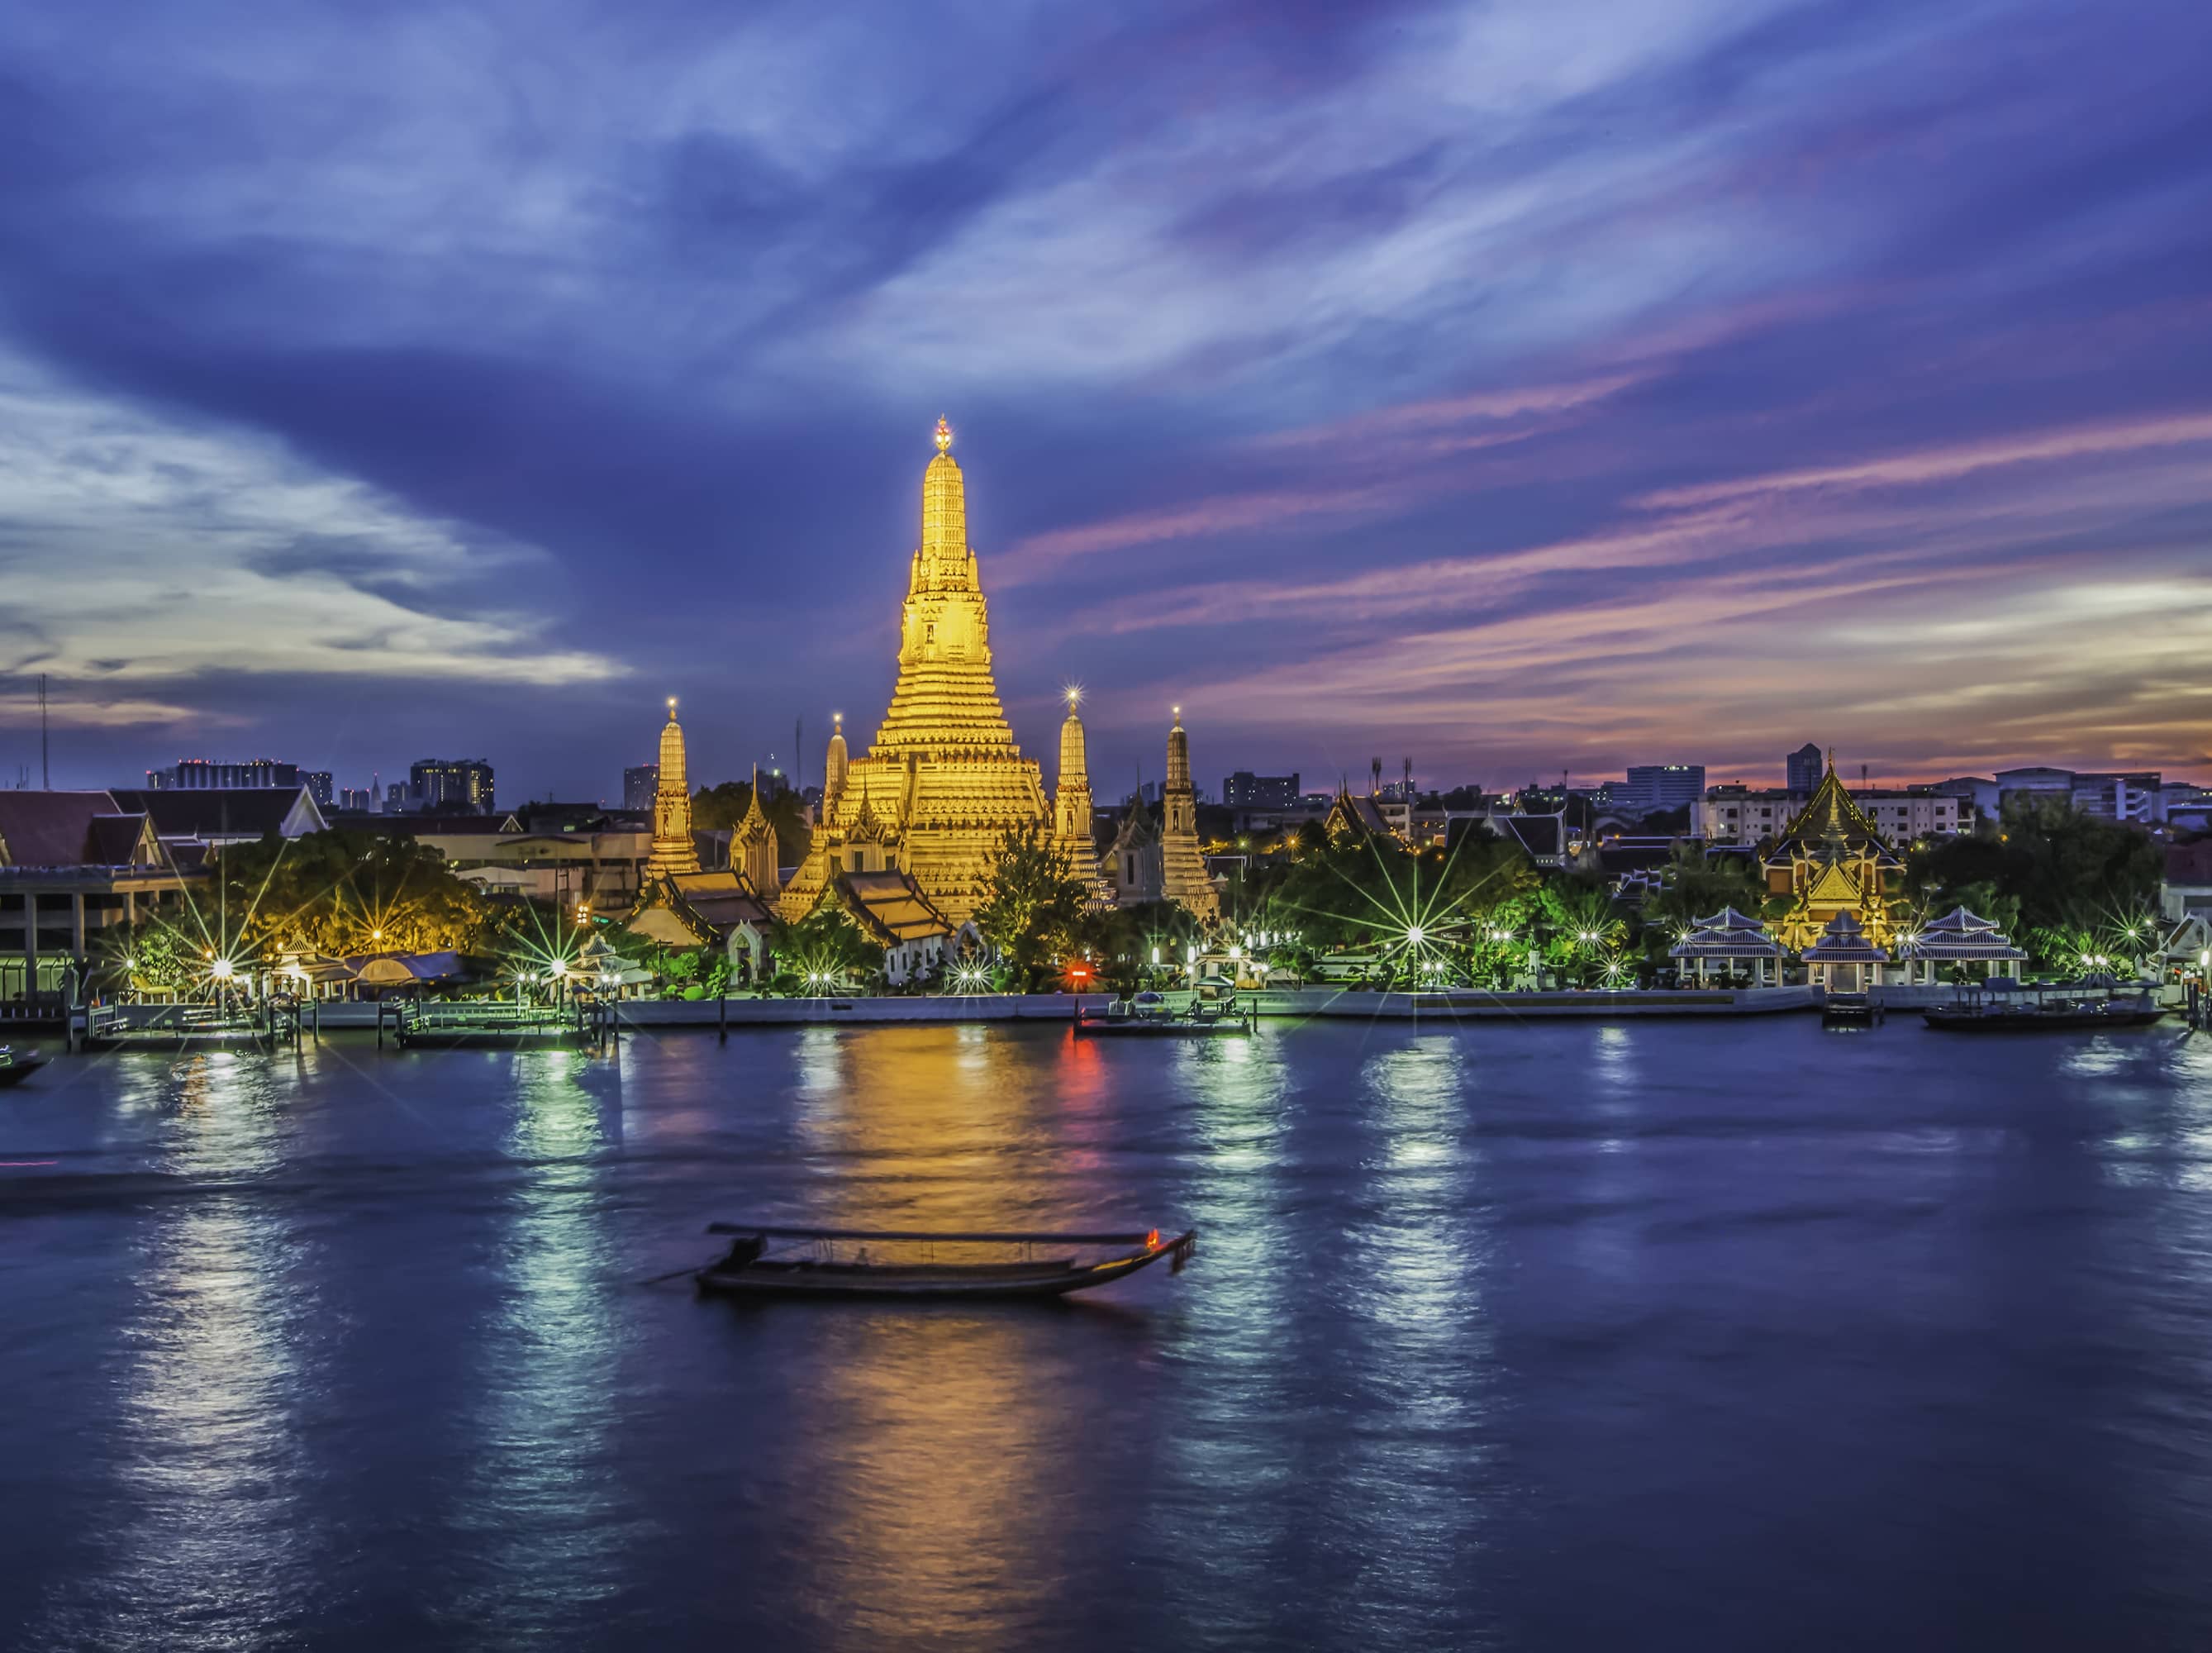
(1523, 386)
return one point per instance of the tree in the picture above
(1031, 903)
(340, 892)
(827, 947)
(2077, 883)
(150, 955)
(1697, 887)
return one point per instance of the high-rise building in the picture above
(1804, 769)
(319, 786)
(1655, 789)
(446, 786)
(357, 798)
(1245, 790)
(640, 783)
(201, 773)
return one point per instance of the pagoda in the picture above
(673, 849)
(1830, 859)
(944, 779)
(1182, 867)
(1072, 831)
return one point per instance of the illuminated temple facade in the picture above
(943, 779)
(1830, 861)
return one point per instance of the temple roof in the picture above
(227, 813)
(891, 907)
(1355, 816)
(1726, 943)
(1830, 819)
(1959, 936)
(1844, 942)
(706, 905)
(68, 829)
(1729, 921)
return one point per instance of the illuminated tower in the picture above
(1183, 868)
(943, 774)
(1071, 800)
(672, 849)
(833, 767)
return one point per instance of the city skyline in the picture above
(1696, 383)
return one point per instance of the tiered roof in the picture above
(1844, 942)
(1727, 934)
(1960, 937)
(1831, 818)
(891, 907)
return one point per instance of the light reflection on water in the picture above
(1759, 1329)
(542, 1503)
(215, 1478)
(1420, 1446)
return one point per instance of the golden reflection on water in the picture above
(931, 1433)
(206, 1417)
(538, 1498)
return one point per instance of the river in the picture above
(1656, 1334)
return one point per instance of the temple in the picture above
(1830, 859)
(753, 850)
(943, 779)
(673, 849)
(1182, 867)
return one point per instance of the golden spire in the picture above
(944, 562)
(673, 850)
(1183, 868)
(833, 766)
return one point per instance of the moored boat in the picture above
(1148, 1015)
(2002, 1005)
(766, 1261)
(16, 1066)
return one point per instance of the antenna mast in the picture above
(46, 771)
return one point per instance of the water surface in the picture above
(1655, 1334)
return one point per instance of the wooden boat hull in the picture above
(928, 1282)
(1955, 1021)
(21, 1068)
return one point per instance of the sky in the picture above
(1519, 388)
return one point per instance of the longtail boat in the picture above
(849, 1263)
(16, 1066)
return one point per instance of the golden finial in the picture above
(671, 708)
(838, 718)
(1073, 692)
(944, 435)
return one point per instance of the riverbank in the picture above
(1452, 1007)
